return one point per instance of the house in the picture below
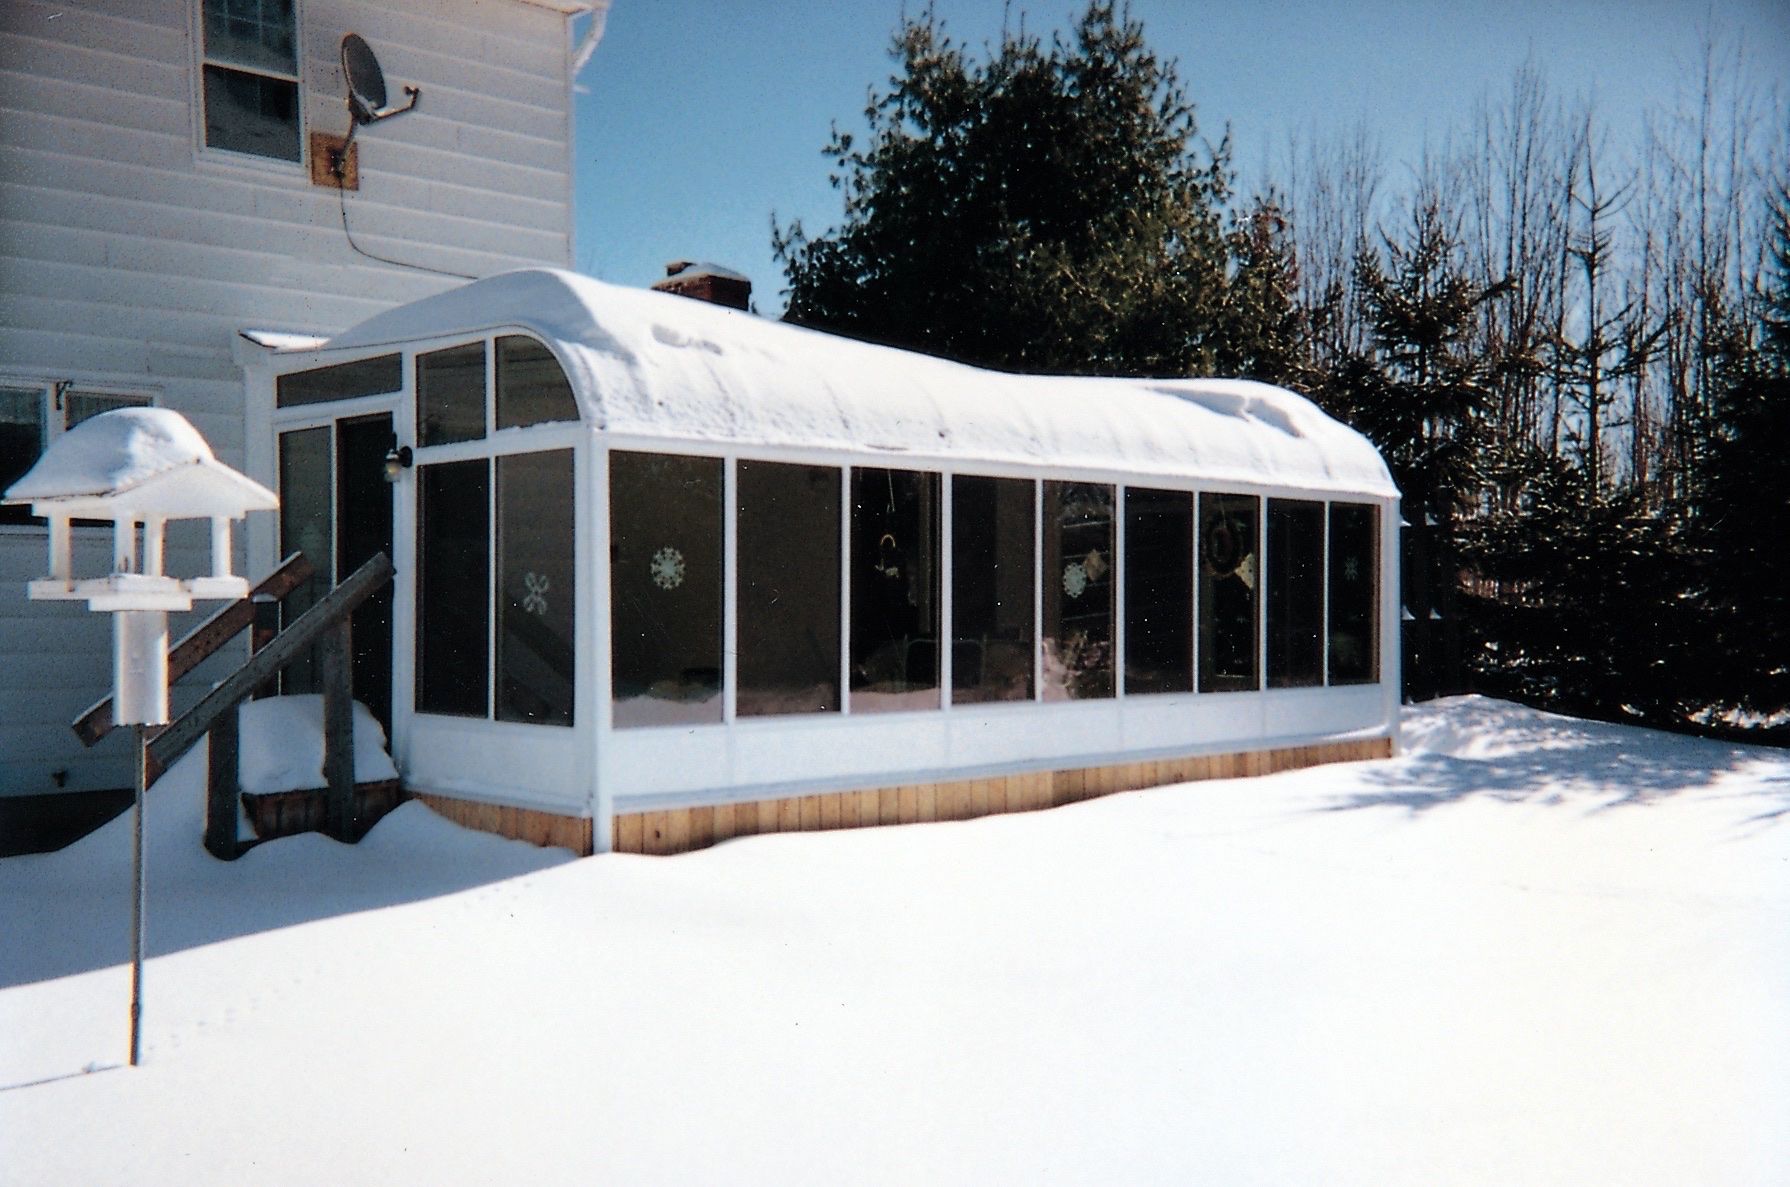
(175, 200)
(668, 572)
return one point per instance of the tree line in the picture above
(1573, 354)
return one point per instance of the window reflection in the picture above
(1158, 591)
(1295, 593)
(453, 588)
(450, 395)
(1229, 575)
(1078, 591)
(788, 588)
(531, 386)
(537, 588)
(894, 590)
(1354, 593)
(665, 588)
(992, 547)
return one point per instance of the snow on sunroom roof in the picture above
(652, 365)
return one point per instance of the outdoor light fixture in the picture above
(397, 460)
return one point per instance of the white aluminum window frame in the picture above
(202, 58)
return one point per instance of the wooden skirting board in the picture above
(679, 830)
(545, 829)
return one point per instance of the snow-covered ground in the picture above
(1529, 951)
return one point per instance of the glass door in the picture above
(336, 508)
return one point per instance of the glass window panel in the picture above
(536, 588)
(531, 386)
(450, 395)
(788, 589)
(1229, 573)
(1354, 593)
(1158, 591)
(453, 588)
(306, 525)
(83, 406)
(344, 381)
(1295, 593)
(1078, 591)
(251, 113)
(21, 442)
(894, 590)
(992, 548)
(665, 588)
(257, 34)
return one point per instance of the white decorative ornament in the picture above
(535, 601)
(668, 568)
(1075, 579)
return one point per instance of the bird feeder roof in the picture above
(137, 463)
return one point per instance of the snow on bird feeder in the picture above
(138, 468)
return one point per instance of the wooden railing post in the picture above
(265, 626)
(222, 788)
(336, 651)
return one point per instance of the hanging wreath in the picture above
(1223, 546)
(1075, 579)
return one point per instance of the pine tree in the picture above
(1043, 210)
(1745, 510)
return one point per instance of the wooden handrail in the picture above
(333, 609)
(199, 643)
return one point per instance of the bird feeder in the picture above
(138, 468)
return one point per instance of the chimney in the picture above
(706, 282)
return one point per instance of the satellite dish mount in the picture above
(366, 85)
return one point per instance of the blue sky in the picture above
(703, 117)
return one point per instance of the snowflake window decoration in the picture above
(1351, 569)
(535, 600)
(668, 568)
(1075, 579)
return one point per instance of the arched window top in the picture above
(532, 387)
(460, 395)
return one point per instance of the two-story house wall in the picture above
(166, 189)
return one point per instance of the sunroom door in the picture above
(336, 507)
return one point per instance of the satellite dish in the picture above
(366, 83)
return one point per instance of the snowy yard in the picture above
(1529, 951)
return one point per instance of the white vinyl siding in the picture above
(131, 257)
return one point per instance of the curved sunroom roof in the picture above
(655, 366)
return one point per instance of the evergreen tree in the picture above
(1420, 394)
(1745, 509)
(1043, 210)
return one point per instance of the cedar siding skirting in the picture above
(546, 829)
(680, 830)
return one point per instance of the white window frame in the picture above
(202, 59)
(53, 413)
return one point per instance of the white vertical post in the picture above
(124, 546)
(947, 632)
(1116, 596)
(61, 549)
(220, 547)
(153, 527)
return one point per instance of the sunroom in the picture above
(669, 572)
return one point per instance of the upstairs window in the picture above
(250, 72)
